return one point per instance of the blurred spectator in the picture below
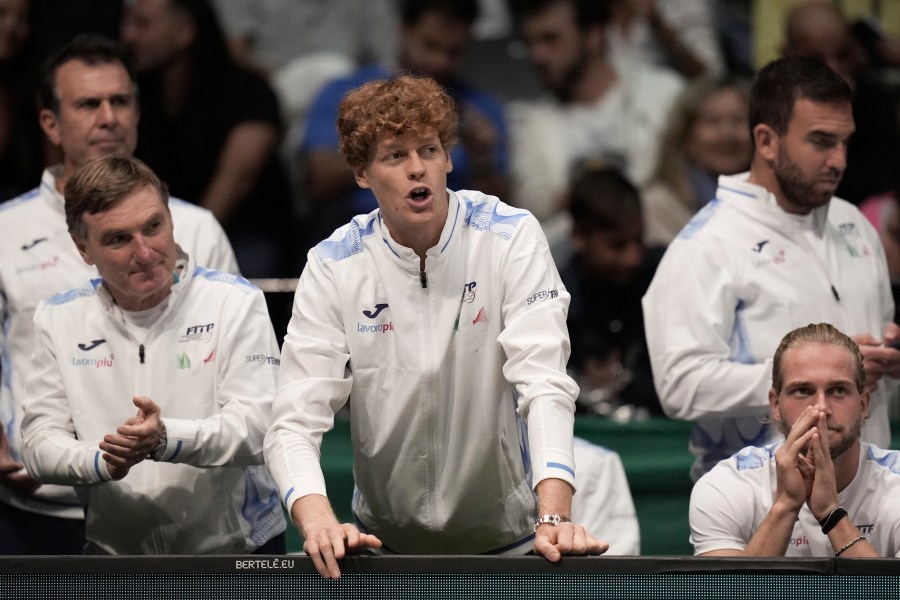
(607, 277)
(882, 48)
(596, 111)
(768, 17)
(708, 136)
(211, 130)
(269, 34)
(302, 44)
(818, 29)
(734, 23)
(435, 37)
(21, 159)
(679, 34)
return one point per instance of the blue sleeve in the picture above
(501, 151)
(321, 129)
(493, 110)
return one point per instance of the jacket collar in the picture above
(52, 195)
(738, 190)
(406, 257)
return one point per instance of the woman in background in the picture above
(708, 136)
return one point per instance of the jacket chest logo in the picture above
(198, 333)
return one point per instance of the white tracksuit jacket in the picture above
(442, 368)
(37, 260)
(210, 362)
(741, 275)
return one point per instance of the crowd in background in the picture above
(611, 125)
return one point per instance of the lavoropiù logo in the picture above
(50, 263)
(97, 363)
(799, 541)
(378, 328)
(262, 359)
(541, 296)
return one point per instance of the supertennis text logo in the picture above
(262, 359)
(541, 296)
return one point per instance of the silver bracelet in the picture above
(850, 543)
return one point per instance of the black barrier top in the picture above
(440, 577)
(449, 564)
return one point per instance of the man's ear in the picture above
(864, 398)
(50, 124)
(82, 249)
(766, 141)
(362, 179)
(773, 405)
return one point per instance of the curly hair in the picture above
(392, 107)
(820, 333)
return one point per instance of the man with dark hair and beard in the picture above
(821, 491)
(774, 250)
(592, 110)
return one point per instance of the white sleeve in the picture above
(213, 249)
(689, 317)
(603, 502)
(247, 361)
(199, 233)
(313, 384)
(536, 342)
(721, 511)
(51, 450)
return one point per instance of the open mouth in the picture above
(419, 194)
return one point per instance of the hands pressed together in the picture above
(805, 472)
(134, 440)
